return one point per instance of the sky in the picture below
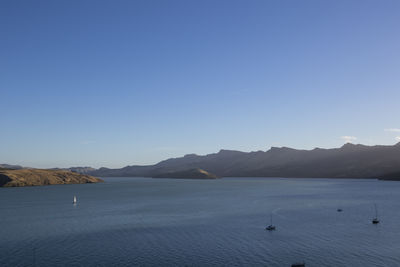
(116, 83)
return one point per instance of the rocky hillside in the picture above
(33, 177)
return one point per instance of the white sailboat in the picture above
(74, 200)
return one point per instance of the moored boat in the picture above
(375, 220)
(270, 227)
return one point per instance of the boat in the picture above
(375, 220)
(74, 200)
(270, 227)
(299, 264)
(339, 210)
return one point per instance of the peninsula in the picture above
(35, 177)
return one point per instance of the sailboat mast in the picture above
(376, 211)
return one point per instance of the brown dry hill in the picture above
(33, 177)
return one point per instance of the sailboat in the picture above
(74, 200)
(375, 220)
(270, 227)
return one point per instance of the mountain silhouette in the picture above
(348, 161)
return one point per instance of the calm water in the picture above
(139, 221)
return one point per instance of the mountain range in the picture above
(348, 161)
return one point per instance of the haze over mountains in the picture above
(348, 161)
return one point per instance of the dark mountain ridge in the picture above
(348, 161)
(189, 174)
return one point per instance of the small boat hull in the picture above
(375, 220)
(270, 228)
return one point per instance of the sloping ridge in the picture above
(348, 161)
(188, 174)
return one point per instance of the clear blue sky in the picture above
(112, 83)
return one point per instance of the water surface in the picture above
(147, 222)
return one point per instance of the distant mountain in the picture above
(348, 161)
(189, 174)
(11, 167)
(81, 170)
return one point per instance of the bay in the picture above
(174, 222)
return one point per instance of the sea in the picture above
(179, 222)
